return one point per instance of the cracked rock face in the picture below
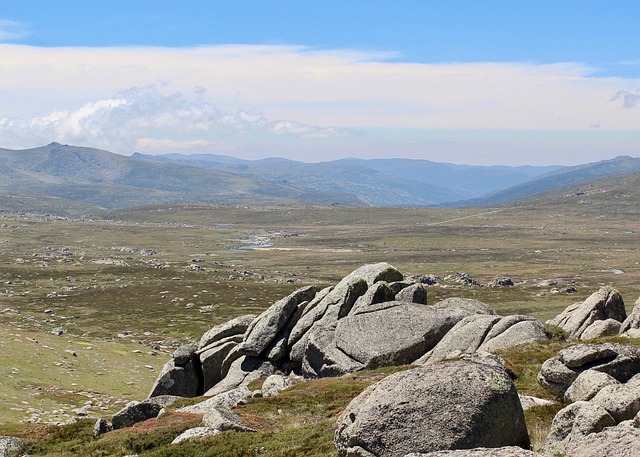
(450, 405)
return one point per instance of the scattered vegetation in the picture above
(125, 291)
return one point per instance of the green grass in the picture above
(160, 301)
(298, 422)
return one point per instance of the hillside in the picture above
(558, 179)
(378, 182)
(103, 179)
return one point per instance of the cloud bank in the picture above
(215, 98)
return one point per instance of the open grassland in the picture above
(125, 291)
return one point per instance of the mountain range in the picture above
(72, 180)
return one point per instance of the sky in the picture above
(507, 82)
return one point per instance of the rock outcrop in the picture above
(451, 405)
(489, 333)
(604, 304)
(371, 318)
(617, 360)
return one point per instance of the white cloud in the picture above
(13, 30)
(145, 118)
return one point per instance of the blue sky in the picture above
(492, 82)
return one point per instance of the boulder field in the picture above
(458, 400)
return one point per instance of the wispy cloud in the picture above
(146, 118)
(13, 30)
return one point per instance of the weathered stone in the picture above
(612, 441)
(599, 329)
(470, 305)
(275, 384)
(235, 326)
(378, 293)
(451, 405)
(620, 361)
(211, 362)
(233, 355)
(415, 293)
(314, 311)
(466, 336)
(573, 423)
(181, 376)
(622, 401)
(241, 373)
(321, 356)
(587, 385)
(604, 304)
(513, 331)
(508, 451)
(339, 302)
(195, 433)
(224, 420)
(101, 427)
(392, 336)
(266, 326)
(633, 320)
(279, 348)
(135, 412)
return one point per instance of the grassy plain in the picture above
(126, 290)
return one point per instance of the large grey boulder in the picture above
(612, 441)
(513, 331)
(587, 385)
(622, 401)
(279, 348)
(606, 303)
(211, 359)
(507, 451)
(415, 293)
(573, 423)
(139, 411)
(599, 329)
(633, 320)
(233, 327)
(465, 337)
(620, 361)
(265, 327)
(322, 358)
(397, 333)
(181, 376)
(310, 314)
(451, 405)
(487, 333)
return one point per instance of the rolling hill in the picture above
(558, 179)
(378, 182)
(106, 180)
